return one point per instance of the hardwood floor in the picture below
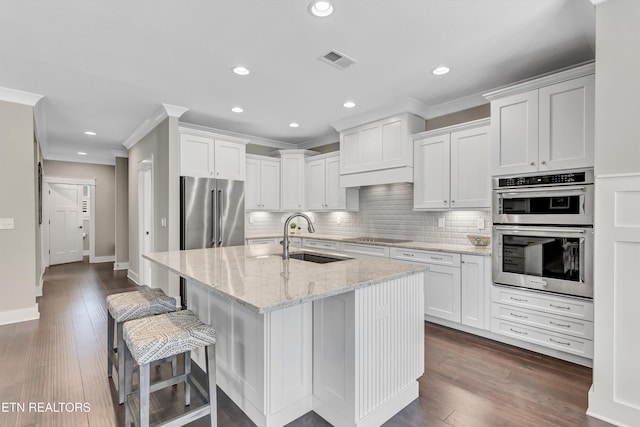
(468, 381)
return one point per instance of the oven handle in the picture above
(541, 190)
(541, 229)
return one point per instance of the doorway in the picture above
(145, 218)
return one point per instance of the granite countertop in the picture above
(426, 246)
(258, 278)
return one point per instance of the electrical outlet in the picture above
(338, 220)
(480, 224)
(252, 219)
(163, 222)
(6, 224)
(441, 222)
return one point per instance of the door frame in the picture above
(46, 206)
(142, 167)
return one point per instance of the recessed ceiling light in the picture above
(240, 70)
(237, 109)
(294, 125)
(321, 8)
(90, 133)
(349, 104)
(82, 153)
(439, 71)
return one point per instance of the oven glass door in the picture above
(548, 205)
(554, 259)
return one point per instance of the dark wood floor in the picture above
(468, 381)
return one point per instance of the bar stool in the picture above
(125, 306)
(155, 338)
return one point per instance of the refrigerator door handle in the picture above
(220, 198)
(213, 217)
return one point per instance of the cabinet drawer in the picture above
(272, 241)
(295, 241)
(440, 258)
(563, 325)
(568, 344)
(381, 251)
(322, 244)
(549, 303)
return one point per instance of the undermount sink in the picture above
(317, 258)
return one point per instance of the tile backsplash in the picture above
(385, 211)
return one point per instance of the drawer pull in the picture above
(561, 307)
(559, 324)
(559, 342)
(438, 258)
(518, 299)
(407, 254)
(518, 332)
(519, 316)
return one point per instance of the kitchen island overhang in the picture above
(344, 339)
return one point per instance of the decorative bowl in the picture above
(479, 239)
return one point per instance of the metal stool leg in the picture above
(187, 372)
(110, 323)
(127, 385)
(121, 346)
(143, 388)
(210, 355)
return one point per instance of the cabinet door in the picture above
(393, 142)
(470, 170)
(431, 173)
(514, 133)
(369, 147)
(335, 196)
(316, 185)
(252, 186)
(349, 151)
(293, 182)
(472, 291)
(270, 184)
(442, 292)
(567, 116)
(230, 160)
(196, 156)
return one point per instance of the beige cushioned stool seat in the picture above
(141, 303)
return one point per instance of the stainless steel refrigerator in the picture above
(211, 215)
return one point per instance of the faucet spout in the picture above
(285, 239)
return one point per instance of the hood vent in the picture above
(337, 59)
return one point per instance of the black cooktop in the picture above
(365, 239)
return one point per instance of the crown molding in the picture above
(107, 160)
(302, 152)
(238, 137)
(543, 80)
(597, 2)
(453, 128)
(19, 97)
(408, 105)
(319, 142)
(164, 111)
(120, 153)
(456, 105)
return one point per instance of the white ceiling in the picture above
(106, 66)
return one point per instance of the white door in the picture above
(230, 160)
(145, 222)
(196, 156)
(472, 291)
(252, 187)
(65, 229)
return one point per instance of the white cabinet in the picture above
(546, 124)
(323, 185)
(380, 152)
(452, 167)
(262, 190)
(442, 292)
(472, 296)
(292, 181)
(266, 241)
(208, 155)
(321, 244)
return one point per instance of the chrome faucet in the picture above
(285, 240)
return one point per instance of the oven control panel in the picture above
(565, 178)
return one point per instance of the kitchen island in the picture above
(344, 339)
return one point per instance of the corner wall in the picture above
(122, 212)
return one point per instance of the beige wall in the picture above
(161, 145)
(122, 209)
(105, 238)
(475, 113)
(18, 198)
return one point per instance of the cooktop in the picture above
(365, 239)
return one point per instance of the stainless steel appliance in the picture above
(211, 215)
(543, 232)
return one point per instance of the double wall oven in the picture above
(543, 232)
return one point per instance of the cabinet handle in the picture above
(544, 162)
(519, 316)
(518, 299)
(518, 332)
(559, 307)
(406, 254)
(532, 163)
(445, 201)
(453, 201)
(437, 258)
(559, 342)
(559, 324)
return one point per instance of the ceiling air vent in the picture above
(338, 59)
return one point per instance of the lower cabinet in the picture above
(442, 292)
(267, 241)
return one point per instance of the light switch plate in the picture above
(480, 224)
(163, 222)
(6, 224)
(252, 219)
(441, 222)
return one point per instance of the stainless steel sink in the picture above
(316, 257)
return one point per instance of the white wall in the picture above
(615, 395)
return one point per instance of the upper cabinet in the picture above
(451, 168)
(292, 187)
(209, 155)
(380, 152)
(262, 191)
(323, 185)
(546, 124)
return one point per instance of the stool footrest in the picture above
(180, 420)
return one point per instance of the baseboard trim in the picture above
(40, 286)
(133, 276)
(20, 315)
(86, 253)
(121, 266)
(99, 259)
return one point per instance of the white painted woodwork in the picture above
(316, 184)
(210, 156)
(354, 358)
(472, 291)
(429, 257)
(229, 160)
(431, 187)
(471, 168)
(379, 152)
(322, 244)
(372, 250)
(292, 182)
(323, 185)
(262, 189)
(514, 134)
(65, 229)
(442, 292)
(273, 241)
(560, 324)
(567, 117)
(336, 197)
(578, 308)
